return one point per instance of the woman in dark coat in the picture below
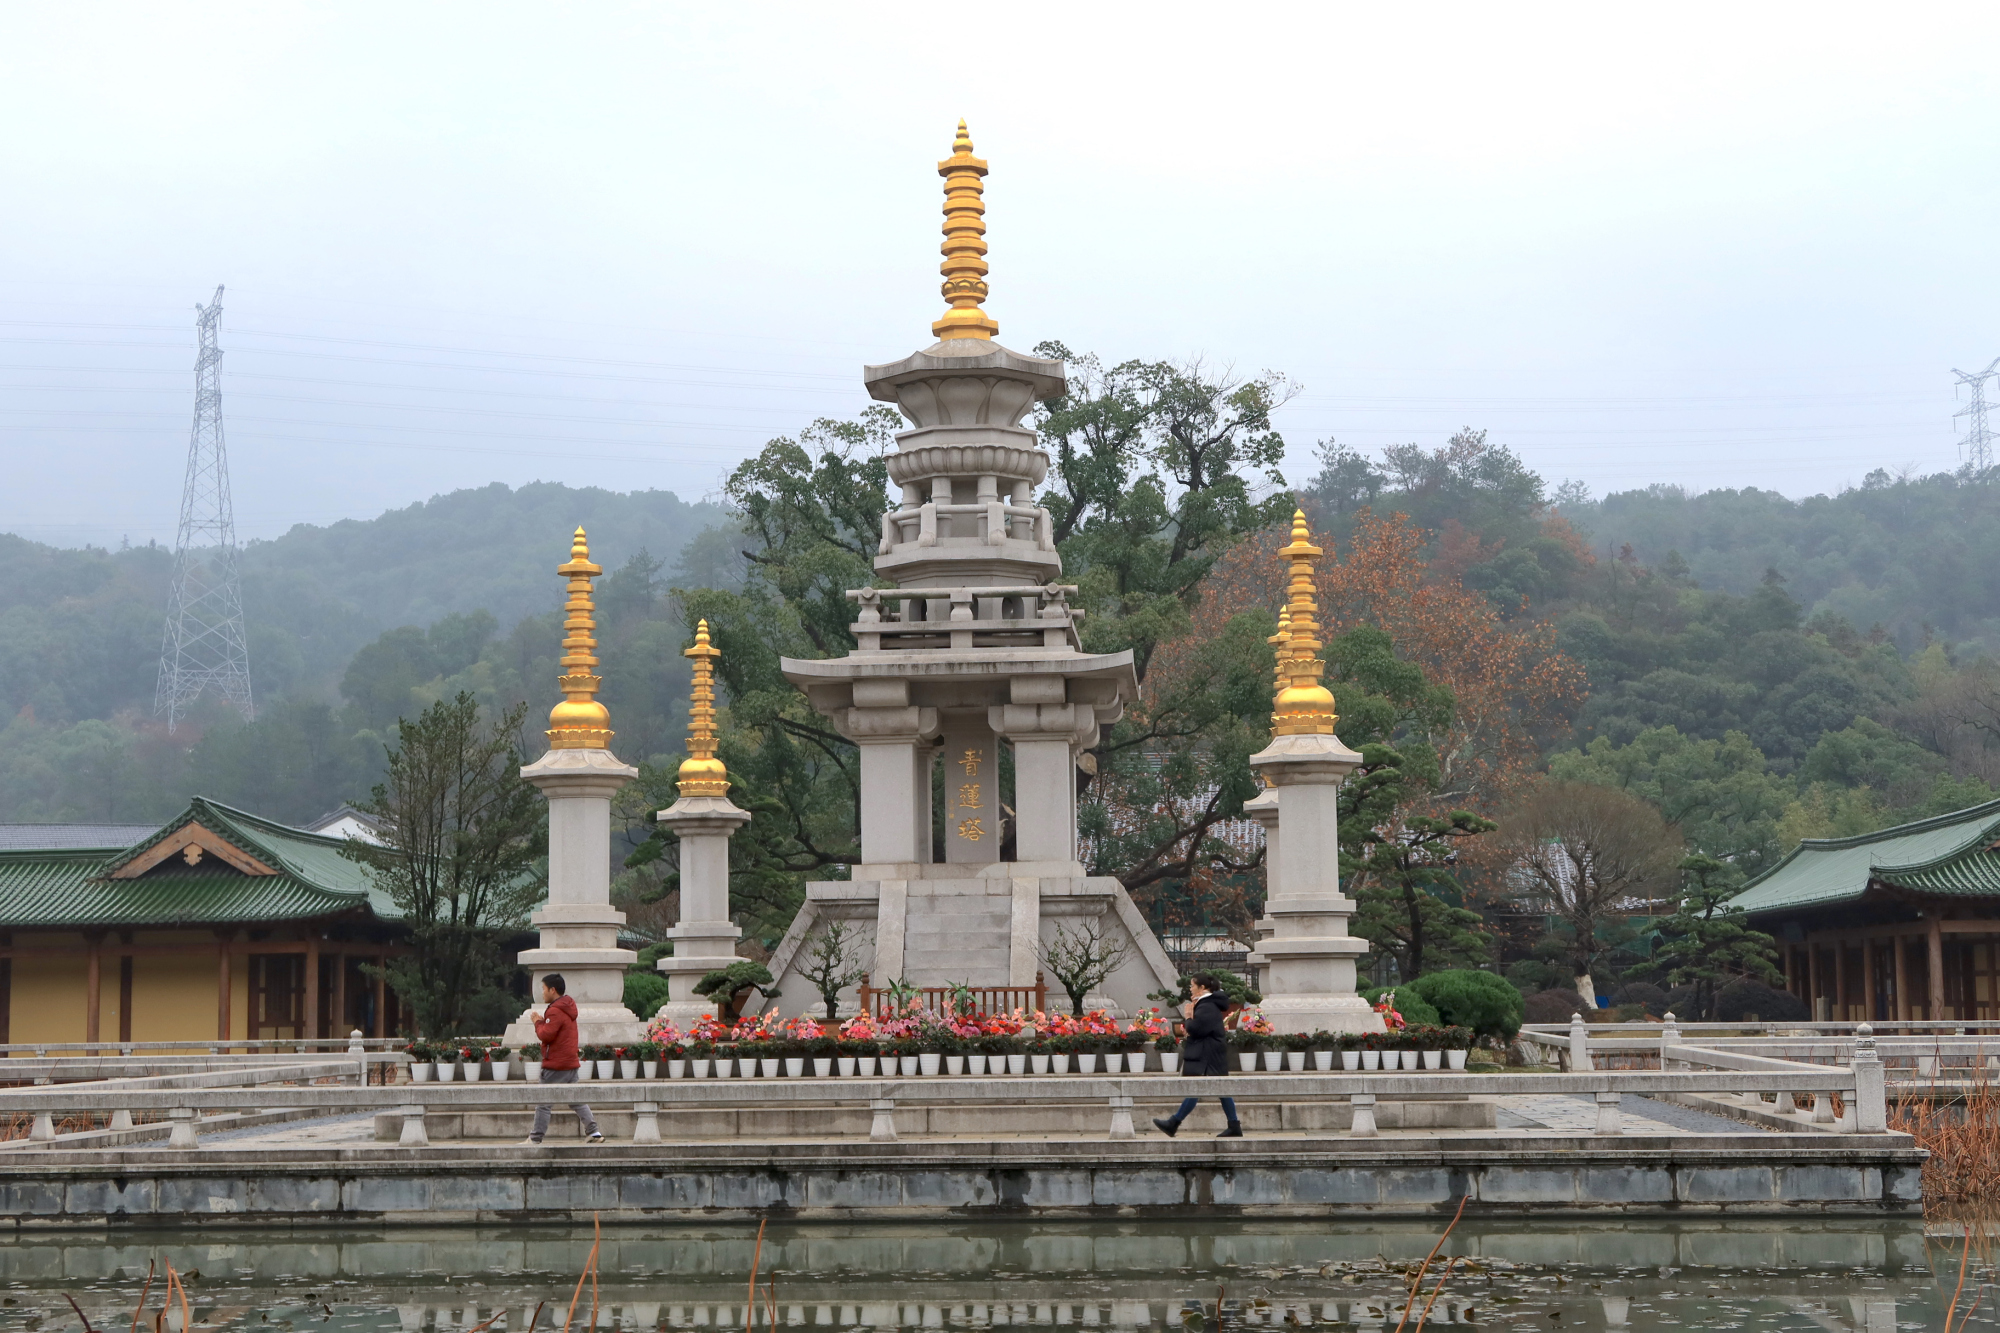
(1205, 1051)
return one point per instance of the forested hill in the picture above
(472, 572)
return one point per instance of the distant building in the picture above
(1900, 924)
(217, 924)
(347, 822)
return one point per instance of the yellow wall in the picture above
(48, 996)
(173, 998)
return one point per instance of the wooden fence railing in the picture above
(876, 1001)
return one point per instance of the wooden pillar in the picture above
(1936, 943)
(309, 1020)
(93, 983)
(1839, 1012)
(339, 992)
(222, 985)
(125, 997)
(1900, 1011)
(381, 999)
(1868, 1013)
(1812, 978)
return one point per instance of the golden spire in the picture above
(964, 247)
(579, 722)
(703, 774)
(1303, 706)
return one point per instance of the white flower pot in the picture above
(1059, 1063)
(1040, 1062)
(628, 1069)
(1273, 1061)
(677, 1068)
(445, 1070)
(1248, 1061)
(1086, 1062)
(795, 1066)
(930, 1062)
(1295, 1061)
(531, 1070)
(1456, 1059)
(649, 1069)
(1433, 1059)
(725, 1068)
(497, 1070)
(954, 1064)
(868, 1063)
(1371, 1059)
(975, 1065)
(1017, 1064)
(1350, 1060)
(846, 1063)
(1412, 1060)
(1323, 1060)
(769, 1068)
(908, 1065)
(1115, 1062)
(607, 1070)
(701, 1067)
(1170, 1062)
(422, 1073)
(822, 1066)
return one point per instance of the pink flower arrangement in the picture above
(1151, 1022)
(859, 1028)
(805, 1028)
(663, 1031)
(708, 1028)
(1253, 1020)
(762, 1027)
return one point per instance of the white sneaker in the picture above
(595, 1138)
(531, 1142)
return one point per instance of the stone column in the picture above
(1309, 957)
(1046, 731)
(894, 740)
(579, 926)
(705, 938)
(1263, 807)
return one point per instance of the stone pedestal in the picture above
(1309, 958)
(705, 938)
(578, 926)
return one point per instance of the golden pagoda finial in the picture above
(702, 774)
(1303, 706)
(579, 722)
(964, 247)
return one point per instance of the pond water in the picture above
(1870, 1277)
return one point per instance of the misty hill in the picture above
(80, 629)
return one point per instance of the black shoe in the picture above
(1167, 1127)
(1233, 1132)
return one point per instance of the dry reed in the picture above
(1962, 1132)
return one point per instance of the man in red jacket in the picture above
(555, 1029)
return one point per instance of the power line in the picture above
(1977, 446)
(204, 645)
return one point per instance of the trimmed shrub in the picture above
(1744, 997)
(1415, 1009)
(1642, 993)
(1468, 998)
(645, 992)
(1554, 1006)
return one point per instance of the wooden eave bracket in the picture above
(192, 835)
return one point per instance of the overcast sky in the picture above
(1728, 245)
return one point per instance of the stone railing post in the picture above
(1670, 1036)
(44, 1128)
(1121, 1117)
(1871, 1103)
(414, 1133)
(1579, 1046)
(1364, 1116)
(883, 1130)
(121, 1119)
(646, 1122)
(182, 1136)
(1609, 1120)
(354, 1043)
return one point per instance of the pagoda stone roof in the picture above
(1950, 856)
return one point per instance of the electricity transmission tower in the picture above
(1977, 446)
(204, 648)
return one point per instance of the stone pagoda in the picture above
(967, 672)
(579, 775)
(1307, 956)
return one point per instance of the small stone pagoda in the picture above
(967, 672)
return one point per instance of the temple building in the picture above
(217, 924)
(1899, 924)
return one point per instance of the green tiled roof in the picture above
(1946, 855)
(73, 888)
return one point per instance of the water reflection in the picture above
(1198, 1278)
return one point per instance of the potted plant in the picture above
(867, 1055)
(444, 1059)
(1371, 1049)
(1324, 1046)
(1246, 1046)
(497, 1060)
(1039, 1053)
(820, 1050)
(419, 1052)
(628, 1061)
(1457, 1046)
(647, 1054)
(1168, 1044)
(1350, 1050)
(1297, 1045)
(700, 1057)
